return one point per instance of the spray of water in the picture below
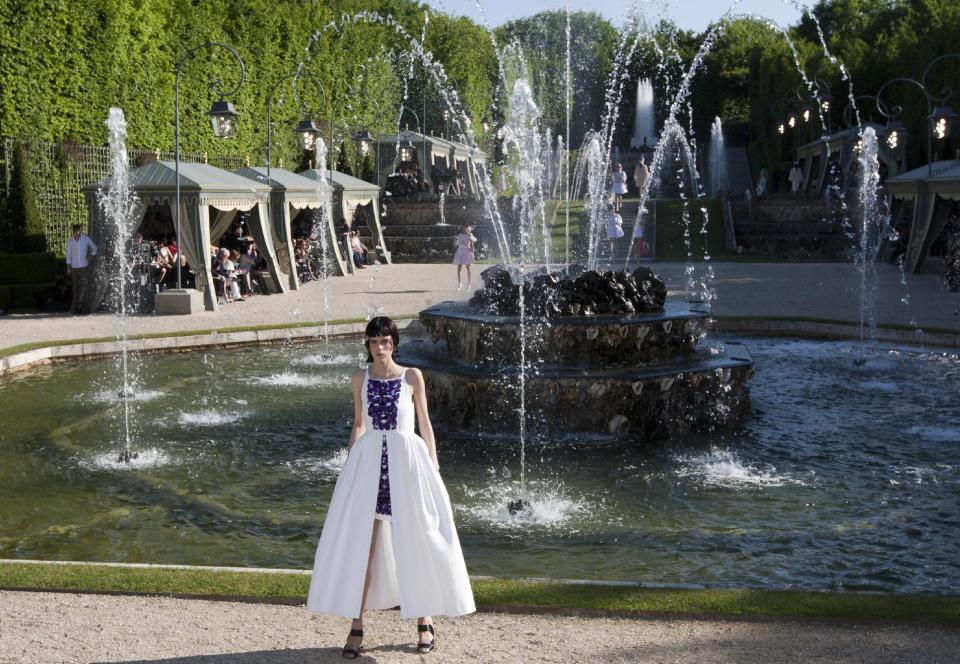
(320, 235)
(119, 207)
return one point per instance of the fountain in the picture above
(118, 205)
(611, 355)
(719, 181)
(644, 134)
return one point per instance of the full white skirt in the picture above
(418, 564)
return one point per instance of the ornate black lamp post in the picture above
(223, 120)
(222, 115)
(408, 145)
(307, 131)
(940, 117)
(364, 141)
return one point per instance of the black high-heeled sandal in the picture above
(353, 653)
(424, 648)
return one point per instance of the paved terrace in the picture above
(749, 290)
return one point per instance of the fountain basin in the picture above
(632, 340)
(831, 484)
(704, 392)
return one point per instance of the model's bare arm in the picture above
(358, 426)
(415, 378)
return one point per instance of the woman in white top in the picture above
(614, 226)
(619, 187)
(389, 538)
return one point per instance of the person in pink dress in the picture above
(464, 254)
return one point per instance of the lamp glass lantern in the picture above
(364, 140)
(406, 150)
(893, 133)
(825, 99)
(307, 134)
(223, 119)
(792, 119)
(941, 121)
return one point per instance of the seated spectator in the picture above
(301, 256)
(162, 266)
(227, 270)
(173, 249)
(358, 249)
(248, 261)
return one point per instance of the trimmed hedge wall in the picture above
(25, 296)
(64, 63)
(27, 280)
(19, 269)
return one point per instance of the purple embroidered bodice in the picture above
(386, 409)
(388, 404)
(383, 397)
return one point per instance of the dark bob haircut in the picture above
(381, 326)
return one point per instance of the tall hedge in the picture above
(63, 63)
(23, 228)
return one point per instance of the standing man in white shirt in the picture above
(640, 175)
(79, 249)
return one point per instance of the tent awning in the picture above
(298, 191)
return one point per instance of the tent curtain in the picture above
(260, 228)
(280, 234)
(221, 222)
(194, 243)
(105, 266)
(378, 234)
(937, 217)
(922, 217)
(341, 264)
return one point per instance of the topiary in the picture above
(25, 231)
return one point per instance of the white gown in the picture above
(418, 563)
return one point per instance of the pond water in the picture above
(845, 476)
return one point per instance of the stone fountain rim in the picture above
(735, 356)
(672, 310)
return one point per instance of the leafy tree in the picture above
(366, 169)
(343, 162)
(542, 38)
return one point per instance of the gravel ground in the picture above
(829, 290)
(58, 627)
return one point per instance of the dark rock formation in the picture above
(571, 292)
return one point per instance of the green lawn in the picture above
(670, 245)
(491, 594)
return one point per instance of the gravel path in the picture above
(829, 290)
(39, 628)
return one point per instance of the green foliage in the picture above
(23, 227)
(343, 162)
(24, 296)
(366, 169)
(28, 268)
(63, 63)
(542, 37)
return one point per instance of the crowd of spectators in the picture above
(236, 266)
(155, 262)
